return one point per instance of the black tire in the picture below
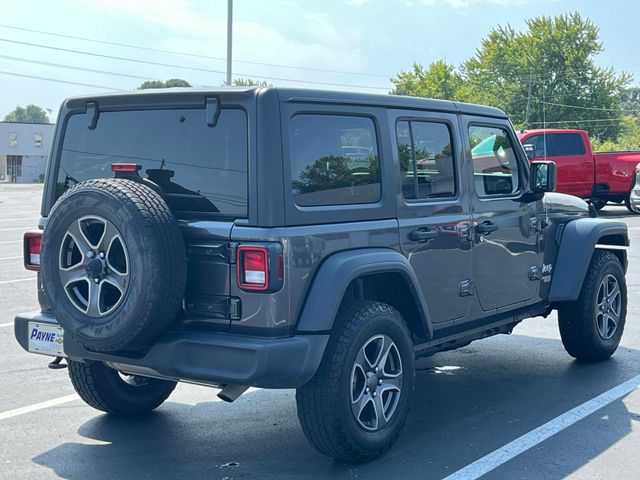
(324, 403)
(105, 389)
(627, 203)
(578, 321)
(598, 203)
(154, 252)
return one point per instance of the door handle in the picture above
(485, 228)
(422, 235)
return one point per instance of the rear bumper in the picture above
(208, 358)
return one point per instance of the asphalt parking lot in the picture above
(468, 404)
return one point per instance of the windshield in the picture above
(196, 167)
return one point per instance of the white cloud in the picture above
(356, 3)
(189, 30)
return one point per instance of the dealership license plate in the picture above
(46, 339)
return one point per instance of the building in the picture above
(24, 149)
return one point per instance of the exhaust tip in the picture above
(230, 393)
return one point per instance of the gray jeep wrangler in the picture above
(321, 241)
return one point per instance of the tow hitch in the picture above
(56, 364)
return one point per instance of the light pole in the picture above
(229, 38)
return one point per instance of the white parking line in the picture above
(11, 241)
(38, 406)
(17, 228)
(10, 324)
(529, 440)
(11, 258)
(20, 219)
(3, 282)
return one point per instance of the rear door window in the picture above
(334, 160)
(426, 160)
(565, 144)
(199, 168)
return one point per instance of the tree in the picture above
(438, 80)
(29, 114)
(173, 82)
(554, 58)
(248, 82)
(628, 139)
(546, 73)
(630, 101)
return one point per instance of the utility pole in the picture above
(229, 38)
(528, 100)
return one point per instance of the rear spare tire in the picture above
(113, 264)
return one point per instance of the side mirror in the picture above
(530, 150)
(542, 176)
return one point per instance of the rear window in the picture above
(199, 168)
(565, 144)
(334, 160)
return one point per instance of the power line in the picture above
(185, 67)
(588, 108)
(46, 79)
(186, 54)
(71, 67)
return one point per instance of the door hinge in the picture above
(234, 308)
(534, 273)
(465, 289)
(231, 252)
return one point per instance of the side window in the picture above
(334, 160)
(539, 145)
(565, 144)
(495, 166)
(426, 160)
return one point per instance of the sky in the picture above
(353, 45)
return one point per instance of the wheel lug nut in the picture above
(380, 382)
(376, 370)
(374, 394)
(101, 254)
(90, 254)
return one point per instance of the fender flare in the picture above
(578, 241)
(336, 273)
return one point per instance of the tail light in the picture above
(253, 268)
(31, 247)
(125, 167)
(260, 268)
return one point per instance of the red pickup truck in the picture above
(598, 177)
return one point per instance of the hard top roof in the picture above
(308, 95)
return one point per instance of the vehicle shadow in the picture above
(467, 403)
(613, 210)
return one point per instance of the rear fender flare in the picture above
(339, 270)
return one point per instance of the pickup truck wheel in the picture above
(627, 203)
(106, 389)
(356, 405)
(598, 203)
(591, 327)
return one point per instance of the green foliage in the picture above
(172, 82)
(29, 114)
(248, 82)
(554, 57)
(628, 138)
(439, 80)
(630, 101)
